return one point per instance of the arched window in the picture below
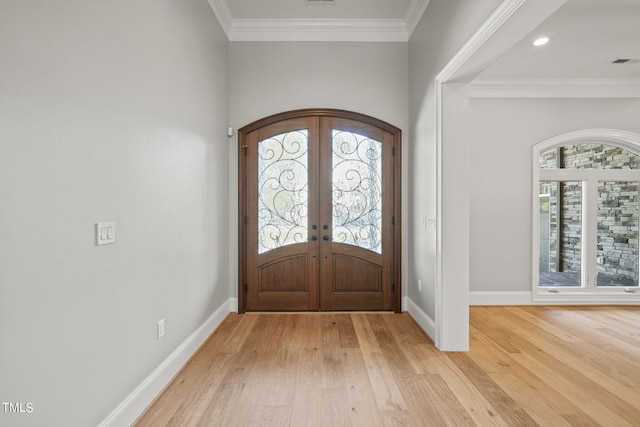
(585, 217)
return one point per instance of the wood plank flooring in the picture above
(527, 366)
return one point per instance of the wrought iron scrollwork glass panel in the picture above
(357, 190)
(282, 190)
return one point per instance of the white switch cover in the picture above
(430, 222)
(105, 233)
(160, 328)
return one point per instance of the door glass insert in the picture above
(282, 190)
(617, 233)
(357, 190)
(560, 233)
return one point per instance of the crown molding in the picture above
(481, 37)
(414, 14)
(342, 30)
(332, 30)
(555, 88)
(223, 14)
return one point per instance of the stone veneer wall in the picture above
(549, 211)
(617, 212)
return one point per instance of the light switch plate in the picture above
(160, 328)
(430, 222)
(105, 233)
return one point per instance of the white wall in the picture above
(273, 77)
(109, 111)
(443, 30)
(504, 131)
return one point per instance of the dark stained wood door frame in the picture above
(242, 185)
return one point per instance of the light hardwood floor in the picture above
(527, 366)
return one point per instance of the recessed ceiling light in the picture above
(541, 41)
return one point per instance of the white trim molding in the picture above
(422, 319)
(223, 14)
(404, 303)
(625, 139)
(448, 306)
(324, 30)
(135, 404)
(511, 21)
(566, 297)
(414, 14)
(555, 88)
(525, 298)
(499, 17)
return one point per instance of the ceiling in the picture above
(586, 35)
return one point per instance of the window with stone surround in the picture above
(586, 224)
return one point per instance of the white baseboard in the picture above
(426, 323)
(501, 298)
(560, 298)
(134, 404)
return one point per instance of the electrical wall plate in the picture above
(105, 233)
(160, 328)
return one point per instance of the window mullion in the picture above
(590, 233)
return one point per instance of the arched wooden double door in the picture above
(319, 212)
